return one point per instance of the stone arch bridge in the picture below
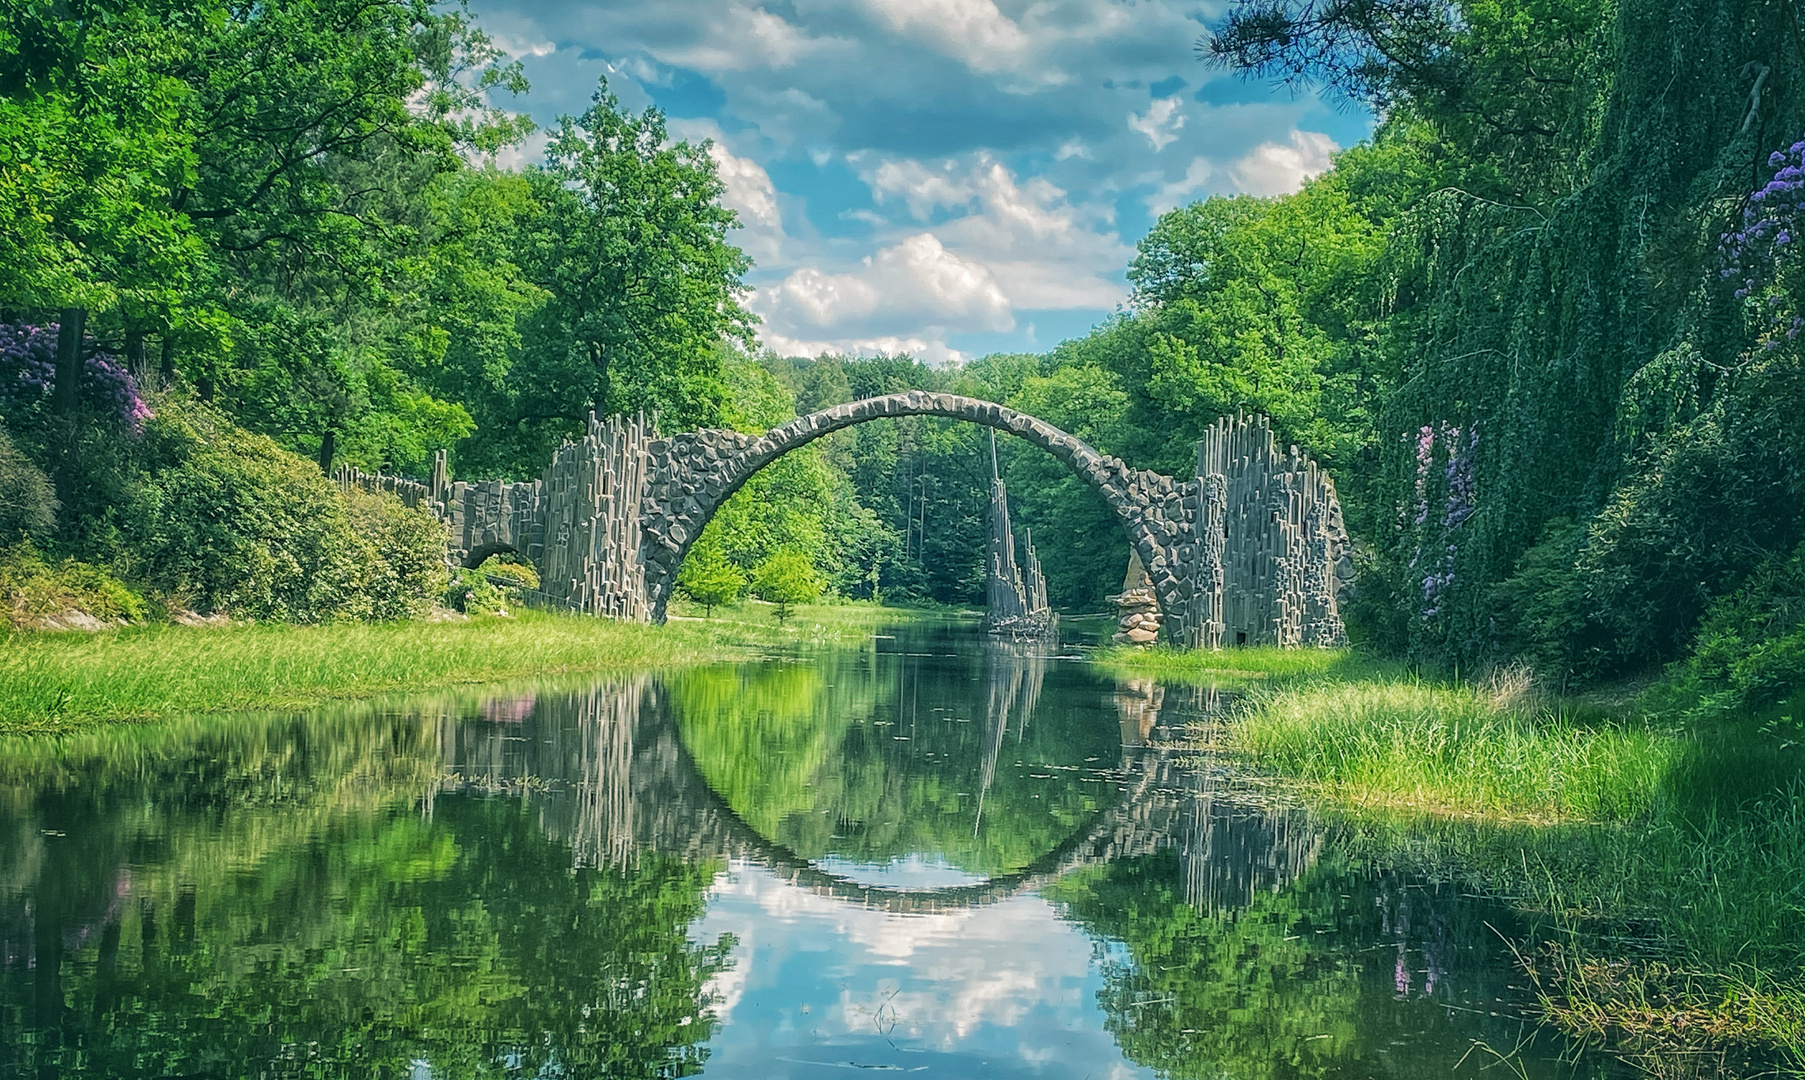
(1250, 550)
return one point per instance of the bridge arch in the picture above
(694, 473)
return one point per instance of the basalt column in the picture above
(593, 493)
(1272, 553)
(1017, 593)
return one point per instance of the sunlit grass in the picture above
(1452, 748)
(52, 683)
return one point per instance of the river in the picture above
(928, 854)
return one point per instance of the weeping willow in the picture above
(1594, 433)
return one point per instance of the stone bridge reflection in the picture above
(608, 772)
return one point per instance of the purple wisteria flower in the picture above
(1446, 458)
(1754, 252)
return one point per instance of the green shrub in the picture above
(226, 520)
(512, 571)
(471, 592)
(1749, 659)
(27, 500)
(404, 556)
(31, 588)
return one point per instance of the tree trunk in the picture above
(134, 352)
(166, 361)
(69, 360)
(328, 448)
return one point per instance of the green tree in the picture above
(786, 577)
(628, 239)
(709, 579)
(96, 119)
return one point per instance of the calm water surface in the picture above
(927, 855)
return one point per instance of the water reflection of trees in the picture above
(290, 897)
(871, 760)
(506, 882)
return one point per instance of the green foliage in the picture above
(32, 587)
(403, 556)
(1579, 431)
(624, 236)
(228, 521)
(471, 592)
(1749, 661)
(516, 572)
(27, 500)
(1083, 550)
(786, 577)
(95, 119)
(709, 578)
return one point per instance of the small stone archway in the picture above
(694, 473)
(484, 552)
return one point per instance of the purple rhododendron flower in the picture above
(28, 376)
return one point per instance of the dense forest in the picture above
(1542, 326)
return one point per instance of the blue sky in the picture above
(945, 178)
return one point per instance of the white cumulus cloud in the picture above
(1045, 252)
(974, 32)
(1185, 189)
(1275, 168)
(740, 37)
(752, 195)
(917, 281)
(1160, 123)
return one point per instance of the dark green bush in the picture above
(1750, 655)
(226, 520)
(27, 499)
(1536, 611)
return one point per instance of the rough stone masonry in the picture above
(1249, 551)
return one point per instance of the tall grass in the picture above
(1453, 748)
(55, 683)
(1681, 935)
(1666, 866)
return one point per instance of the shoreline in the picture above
(58, 683)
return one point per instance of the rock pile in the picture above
(1139, 620)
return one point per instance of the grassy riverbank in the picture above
(53, 683)
(1662, 864)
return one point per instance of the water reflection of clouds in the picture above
(817, 983)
